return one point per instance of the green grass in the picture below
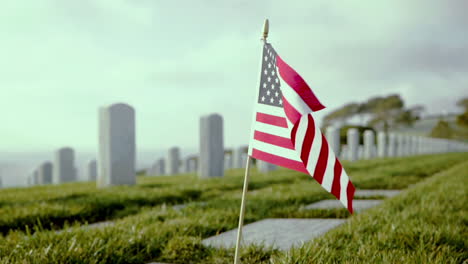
(52, 207)
(145, 229)
(427, 224)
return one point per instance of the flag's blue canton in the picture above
(270, 92)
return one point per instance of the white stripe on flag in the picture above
(329, 171)
(271, 110)
(344, 181)
(294, 99)
(275, 150)
(314, 151)
(274, 130)
(300, 134)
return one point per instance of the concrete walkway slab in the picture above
(370, 193)
(179, 207)
(100, 224)
(279, 233)
(358, 205)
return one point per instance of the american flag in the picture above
(285, 133)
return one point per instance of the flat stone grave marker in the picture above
(370, 193)
(100, 224)
(179, 207)
(279, 233)
(358, 205)
(90, 226)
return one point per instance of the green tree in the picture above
(442, 130)
(342, 114)
(462, 119)
(384, 112)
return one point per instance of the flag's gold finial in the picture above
(265, 30)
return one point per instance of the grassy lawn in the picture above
(426, 224)
(145, 229)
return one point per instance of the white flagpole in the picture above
(246, 178)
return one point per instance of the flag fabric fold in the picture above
(284, 131)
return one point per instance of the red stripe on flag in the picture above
(295, 81)
(322, 161)
(273, 140)
(280, 161)
(308, 138)
(350, 192)
(272, 120)
(336, 186)
(293, 135)
(291, 113)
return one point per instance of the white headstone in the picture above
(333, 138)
(415, 145)
(401, 149)
(344, 152)
(173, 161)
(238, 159)
(91, 170)
(194, 164)
(187, 164)
(35, 178)
(392, 145)
(440, 146)
(151, 171)
(265, 167)
(369, 139)
(45, 173)
(450, 145)
(409, 145)
(447, 145)
(159, 167)
(434, 146)
(211, 160)
(244, 160)
(431, 145)
(64, 166)
(117, 157)
(421, 145)
(360, 152)
(382, 144)
(228, 160)
(353, 143)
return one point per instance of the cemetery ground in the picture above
(426, 223)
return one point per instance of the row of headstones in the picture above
(387, 144)
(233, 159)
(117, 149)
(116, 153)
(61, 170)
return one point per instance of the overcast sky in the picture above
(176, 60)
